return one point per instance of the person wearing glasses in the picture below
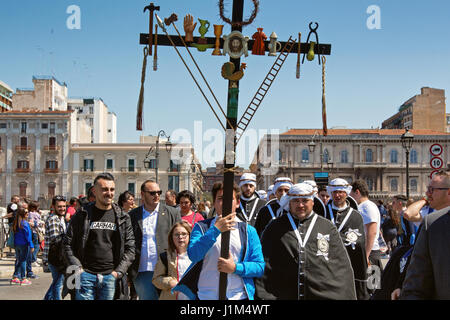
(174, 262)
(244, 262)
(428, 273)
(151, 224)
(100, 241)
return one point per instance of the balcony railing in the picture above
(52, 148)
(47, 170)
(130, 169)
(23, 170)
(23, 148)
(86, 169)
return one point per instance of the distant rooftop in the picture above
(381, 132)
(50, 78)
(5, 86)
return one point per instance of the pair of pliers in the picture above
(314, 31)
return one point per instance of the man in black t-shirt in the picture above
(100, 241)
(12, 208)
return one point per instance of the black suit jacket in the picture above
(167, 217)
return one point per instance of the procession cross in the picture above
(230, 144)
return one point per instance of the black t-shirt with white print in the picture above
(99, 251)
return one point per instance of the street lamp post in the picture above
(407, 140)
(147, 162)
(312, 147)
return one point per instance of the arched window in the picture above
(344, 156)
(394, 185)
(305, 155)
(369, 155)
(394, 156)
(413, 156)
(325, 156)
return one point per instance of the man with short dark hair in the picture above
(323, 194)
(100, 241)
(371, 219)
(55, 228)
(151, 224)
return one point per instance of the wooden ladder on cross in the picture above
(263, 89)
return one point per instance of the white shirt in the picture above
(183, 262)
(149, 251)
(370, 213)
(208, 283)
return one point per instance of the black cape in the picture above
(264, 217)
(285, 278)
(248, 207)
(355, 243)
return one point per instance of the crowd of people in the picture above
(291, 242)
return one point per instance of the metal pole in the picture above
(228, 176)
(321, 155)
(157, 158)
(407, 173)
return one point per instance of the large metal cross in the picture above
(230, 145)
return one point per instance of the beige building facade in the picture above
(375, 155)
(34, 154)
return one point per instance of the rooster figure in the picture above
(229, 73)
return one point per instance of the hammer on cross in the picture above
(151, 8)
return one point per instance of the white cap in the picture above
(313, 184)
(248, 178)
(300, 190)
(262, 194)
(270, 190)
(281, 182)
(339, 185)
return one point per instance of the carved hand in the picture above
(189, 28)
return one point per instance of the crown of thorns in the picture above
(240, 23)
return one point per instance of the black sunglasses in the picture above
(153, 193)
(59, 198)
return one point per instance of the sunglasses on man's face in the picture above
(153, 193)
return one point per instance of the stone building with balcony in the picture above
(34, 153)
(375, 155)
(5, 97)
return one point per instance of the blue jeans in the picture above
(144, 286)
(55, 289)
(96, 287)
(32, 255)
(21, 261)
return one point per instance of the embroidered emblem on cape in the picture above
(322, 245)
(351, 237)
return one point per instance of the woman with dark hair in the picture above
(174, 262)
(126, 201)
(22, 244)
(390, 228)
(186, 199)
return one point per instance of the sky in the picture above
(377, 62)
